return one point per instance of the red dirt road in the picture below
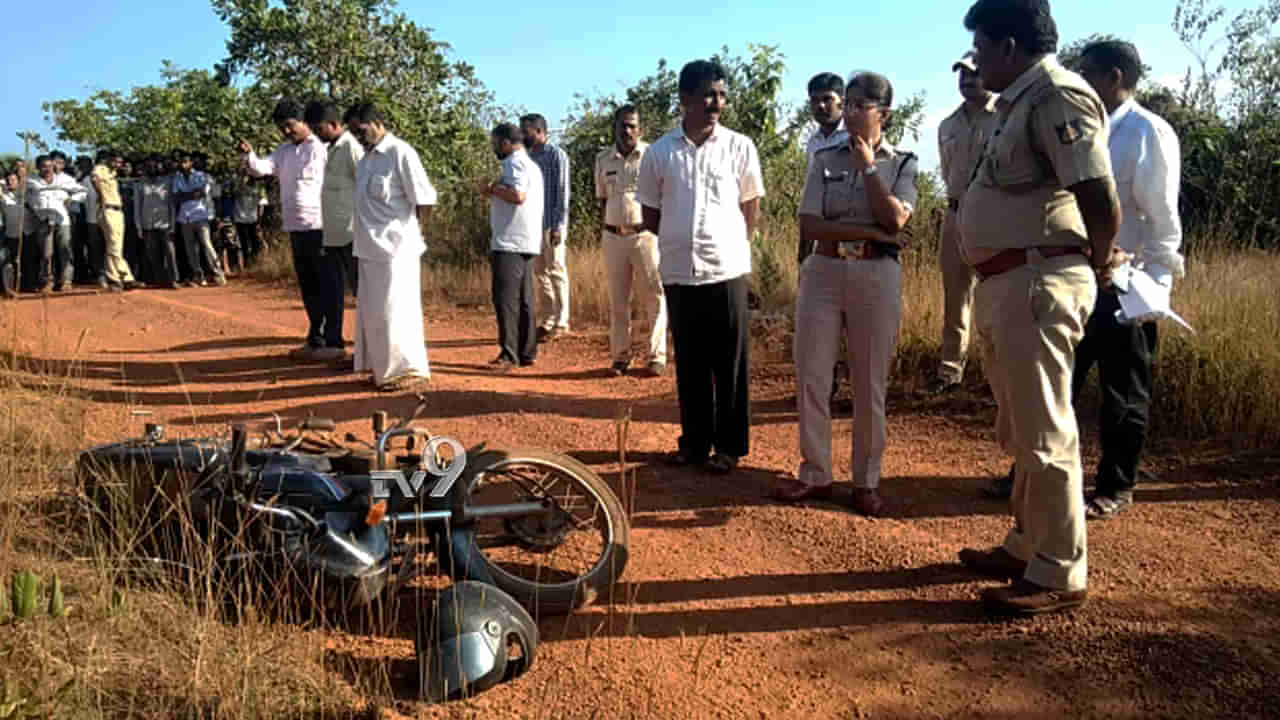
(734, 606)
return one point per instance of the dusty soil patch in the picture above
(734, 606)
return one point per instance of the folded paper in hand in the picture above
(1142, 298)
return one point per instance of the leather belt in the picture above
(1007, 260)
(112, 207)
(625, 230)
(953, 204)
(864, 250)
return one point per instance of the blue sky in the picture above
(568, 47)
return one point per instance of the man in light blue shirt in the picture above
(190, 189)
(515, 217)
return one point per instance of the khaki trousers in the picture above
(958, 283)
(625, 257)
(551, 276)
(1029, 321)
(115, 268)
(862, 298)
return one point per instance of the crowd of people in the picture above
(1057, 183)
(120, 222)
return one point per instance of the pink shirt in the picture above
(300, 169)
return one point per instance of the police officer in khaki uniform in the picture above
(116, 273)
(858, 197)
(629, 249)
(1042, 208)
(961, 138)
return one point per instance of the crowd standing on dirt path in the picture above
(1059, 186)
(125, 222)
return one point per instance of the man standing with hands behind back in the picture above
(1042, 194)
(551, 268)
(628, 247)
(700, 187)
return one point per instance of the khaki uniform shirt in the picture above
(835, 191)
(1051, 133)
(960, 142)
(616, 184)
(109, 195)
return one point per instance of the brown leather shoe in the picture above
(996, 563)
(867, 501)
(792, 490)
(1027, 598)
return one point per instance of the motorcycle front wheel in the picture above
(554, 562)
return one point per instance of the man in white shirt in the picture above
(48, 194)
(393, 200)
(1146, 161)
(299, 164)
(337, 195)
(700, 187)
(515, 218)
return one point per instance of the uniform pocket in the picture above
(1012, 164)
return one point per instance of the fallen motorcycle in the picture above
(355, 522)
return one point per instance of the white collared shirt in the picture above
(49, 199)
(702, 237)
(817, 141)
(300, 168)
(390, 185)
(1146, 160)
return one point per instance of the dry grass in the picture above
(135, 641)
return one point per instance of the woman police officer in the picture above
(858, 197)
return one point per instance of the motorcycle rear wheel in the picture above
(550, 564)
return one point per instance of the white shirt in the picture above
(817, 141)
(518, 228)
(49, 199)
(390, 185)
(300, 168)
(1146, 161)
(702, 238)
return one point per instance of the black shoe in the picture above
(1101, 506)
(543, 334)
(681, 458)
(1001, 488)
(619, 368)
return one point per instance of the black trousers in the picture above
(350, 267)
(513, 303)
(247, 233)
(710, 325)
(1123, 354)
(8, 264)
(96, 247)
(321, 281)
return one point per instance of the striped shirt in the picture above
(554, 164)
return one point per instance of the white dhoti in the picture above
(390, 340)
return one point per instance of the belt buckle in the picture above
(854, 249)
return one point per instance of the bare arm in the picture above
(510, 194)
(424, 219)
(814, 228)
(751, 213)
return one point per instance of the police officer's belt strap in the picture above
(625, 229)
(1006, 260)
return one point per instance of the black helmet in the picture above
(477, 637)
